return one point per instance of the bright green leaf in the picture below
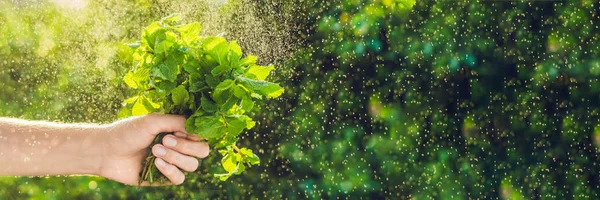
(130, 100)
(129, 80)
(248, 60)
(235, 48)
(180, 95)
(260, 72)
(264, 88)
(229, 162)
(150, 106)
(218, 49)
(223, 177)
(139, 109)
(190, 32)
(235, 53)
(247, 103)
(239, 91)
(250, 156)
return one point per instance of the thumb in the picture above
(160, 123)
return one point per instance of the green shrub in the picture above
(455, 100)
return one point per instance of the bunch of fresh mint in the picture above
(177, 71)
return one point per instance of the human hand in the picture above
(125, 145)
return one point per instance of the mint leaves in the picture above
(177, 71)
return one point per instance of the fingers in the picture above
(198, 149)
(159, 123)
(188, 136)
(184, 162)
(170, 171)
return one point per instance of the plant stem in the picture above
(240, 152)
(149, 172)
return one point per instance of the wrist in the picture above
(91, 150)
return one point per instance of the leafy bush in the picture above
(454, 100)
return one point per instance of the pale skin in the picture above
(114, 151)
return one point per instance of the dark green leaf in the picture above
(211, 81)
(235, 125)
(166, 72)
(166, 86)
(207, 104)
(220, 70)
(232, 100)
(192, 67)
(210, 127)
(190, 124)
(222, 87)
(196, 82)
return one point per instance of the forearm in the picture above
(45, 148)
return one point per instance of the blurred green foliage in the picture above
(384, 98)
(454, 100)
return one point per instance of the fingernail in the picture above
(180, 134)
(160, 151)
(170, 142)
(160, 162)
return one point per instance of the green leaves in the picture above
(264, 88)
(165, 72)
(218, 49)
(180, 96)
(209, 127)
(237, 123)
(235, 160)
(206, 78)
(142, 105)
(222, 87)
(250, 60)
(208, 105)
(258, 72)
(129, 80)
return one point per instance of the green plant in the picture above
(205, 78)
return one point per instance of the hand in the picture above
(125, 145)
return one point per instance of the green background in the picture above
(384, 98)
